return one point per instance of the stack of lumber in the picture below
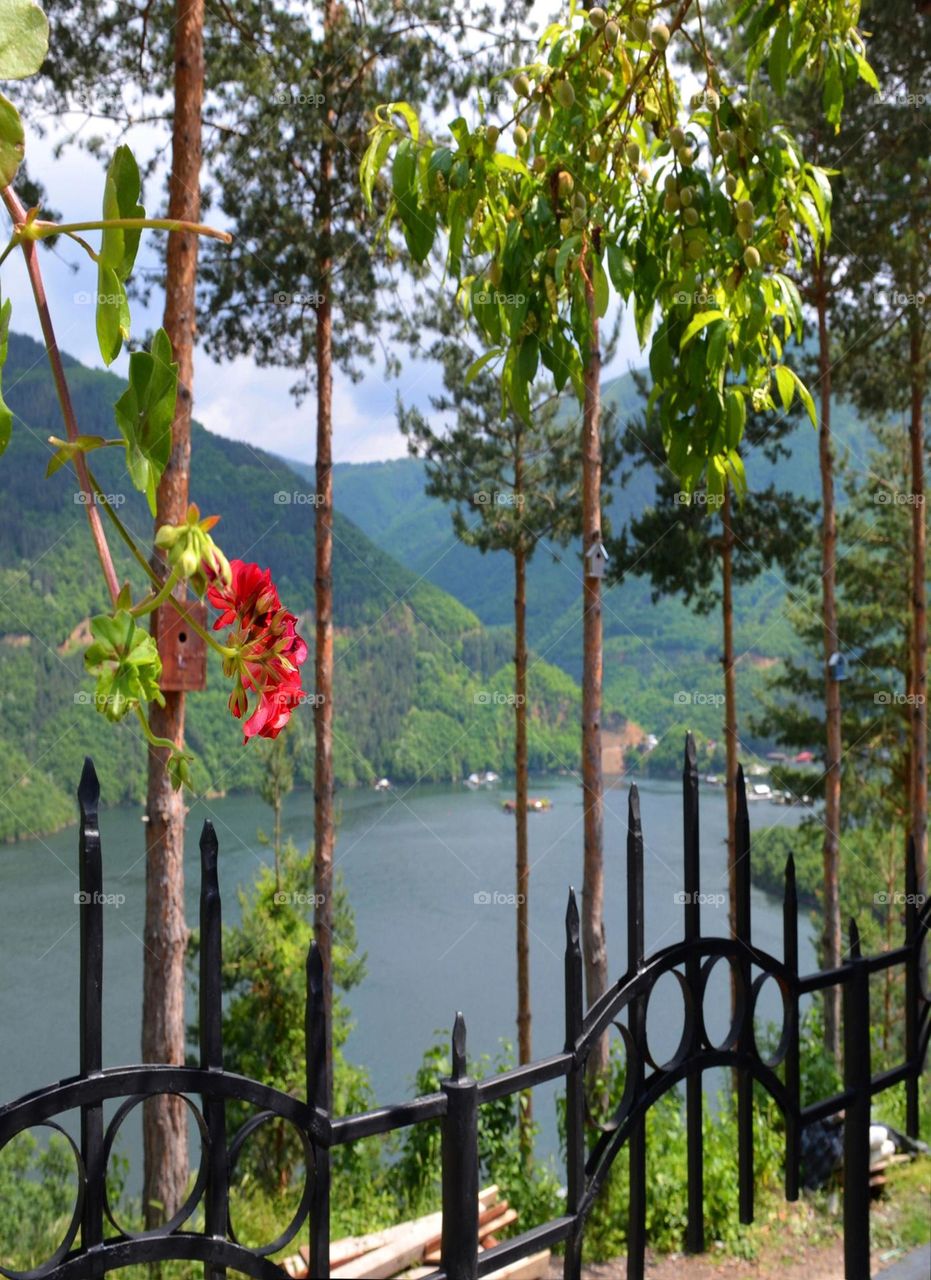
(412, 1249)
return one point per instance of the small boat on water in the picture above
(760, 791)
(535, 804)
(383, 784)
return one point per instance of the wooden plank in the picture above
(492, 1226)
(533, 1268)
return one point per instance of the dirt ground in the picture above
(823, 1262)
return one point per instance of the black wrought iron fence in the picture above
(96, 1242)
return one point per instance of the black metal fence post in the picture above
(793, 1056)
(90, 908)
(745, 1042)
(637, 1143)
(319, 1095)
(575, 1090)
(857, 1076)
(216, 1203)
(912, 990)
(459, 1250)
(694, 1101)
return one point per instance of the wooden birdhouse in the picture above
(183, 652)
(837, 667)
(596, 560)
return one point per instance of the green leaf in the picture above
(785, 385)
(409, 115)
(23, 39)
(620, 270)
(528, 358)
(478, 365)
(145, 412)
(602, 289)
(568, 247)
(112, 314)
(736, 417)
(118, 248)
(67, 449)
(779, 55)
(866, 72)
(805, 397)
(6, 416)
(698, 323)
(510, 164)
(12, 141)
(124, 658)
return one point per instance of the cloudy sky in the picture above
(236, 399)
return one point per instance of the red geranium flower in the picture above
(267, 649)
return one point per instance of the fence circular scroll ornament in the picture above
(740, 1005)
(197, 1191)
(303, 1209)
(47, 1267)
(782, 1047)
(688, 1024)
(631, 1072)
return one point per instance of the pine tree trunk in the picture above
(593, 934)
(163, 1023)
(524, 1046)
(324, 835)
(918, 709)
(730, 711)
(831, 933)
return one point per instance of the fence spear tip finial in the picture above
(459, 1047)
(88, 787)
(572, 918)
(691, 755)
(209, 845)
(314, 968)
(633, 805)
(854, 940)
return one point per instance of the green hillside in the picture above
(427, 655)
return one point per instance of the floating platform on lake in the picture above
(534, 805)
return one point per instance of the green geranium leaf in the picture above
(12, 141)
(6, 415)
(124, 658)
(145, 412)
(23, 39)
(118, 248)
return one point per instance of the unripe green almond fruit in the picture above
(551, 256)
(687, 196)
(726, 139)
(643, 173)
(670, 183)
(751, 258)
(694, 250)
(691, 217)
(671, 202)
(745, 210)
(492, 133)
(712, 99)
(520, 136)
(565, 226)
(639, 29)
(564, 94)
(539, 164)
(546, 111)
(579, 200)
(521, 85)
(685, 156)
(677, 137)
(730, 184)
(565, 183)
(675, 241)
(612, 34)
(744, 231)
(597, 17)
(659, 36)
(633, 153)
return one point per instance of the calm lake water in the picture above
(419, 865)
